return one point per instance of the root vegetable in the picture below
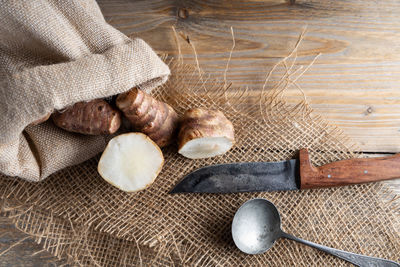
(205, 134)
(154, 118)
(131, 162)
(93, 118)
(41, 120)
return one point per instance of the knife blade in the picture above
(292, 174)
(241, 177)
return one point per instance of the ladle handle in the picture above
(356, 259)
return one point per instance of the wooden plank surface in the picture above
(26, 254)
(355, 83)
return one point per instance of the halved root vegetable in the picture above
(154, 118)
(131, 162)
(205, 134)
(94, 117)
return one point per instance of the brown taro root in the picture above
(41, 120)
(205, 133)
(154, 118)
(94, 117)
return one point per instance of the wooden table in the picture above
(355, 83)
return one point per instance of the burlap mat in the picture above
(75, 214)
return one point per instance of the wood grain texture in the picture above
(25, 254)
(355, 83)
(347, 172)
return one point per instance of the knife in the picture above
(292, 174)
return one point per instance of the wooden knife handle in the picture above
(346, 172)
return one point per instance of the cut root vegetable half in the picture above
(131, 162)
(206, 147)
(205, 133)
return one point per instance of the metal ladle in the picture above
(257, 225)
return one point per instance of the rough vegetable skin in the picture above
(41, 120)
(154, 118)
(212, 125)
(92, 118)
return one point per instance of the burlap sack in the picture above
(76, 215)
(54, 54)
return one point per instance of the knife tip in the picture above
(174, 191)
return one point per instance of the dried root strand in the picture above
(205, 133)
(154, 118)
(93, 118)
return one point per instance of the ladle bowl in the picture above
(257, 225)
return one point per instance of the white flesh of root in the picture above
(206, 147)
(131, 162)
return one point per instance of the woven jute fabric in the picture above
(76, 215)
(54, 54)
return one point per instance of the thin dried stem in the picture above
(14, 245)
(178, 44)
(230, 56)
(307, 68)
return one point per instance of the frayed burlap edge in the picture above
(101, 240)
